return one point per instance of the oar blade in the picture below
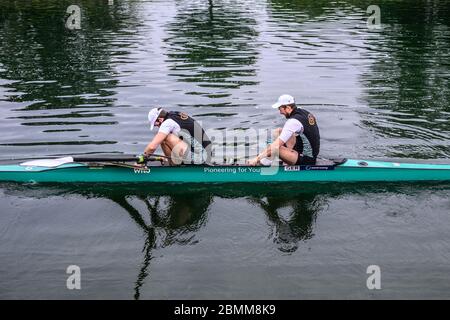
(48, 163)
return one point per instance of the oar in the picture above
(119, 158)
(52, 163)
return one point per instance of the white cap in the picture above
(284, 100)
(153, 115)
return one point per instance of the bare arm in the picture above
(154, 144)
(274, 147)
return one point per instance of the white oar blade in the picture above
(48, 163)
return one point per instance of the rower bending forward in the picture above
(181, 138)
(298, 142)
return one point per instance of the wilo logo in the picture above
(142, 170)
(74, 20)
(374, 21)
(374, 280)
(74, 280)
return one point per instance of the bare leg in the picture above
(165, 148)
(288, 155)
(175, 148)
(286, 152)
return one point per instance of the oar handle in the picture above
(124, 158)
(156, 158)
(120, 158)
(143, 159)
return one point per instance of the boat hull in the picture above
(350, 171)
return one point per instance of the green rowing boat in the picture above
(124, 170)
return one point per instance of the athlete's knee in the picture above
(180, 147)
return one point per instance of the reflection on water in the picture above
(169, 216)
(172, 216)
(376, 93)
(51, 67)
(213, 46)
(403, 74)
(292, 218)
(172, 220)
(58, 88)
(212, 49)
(407, 83)
(325, 34)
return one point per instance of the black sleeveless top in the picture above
(308, 142)
(188, 124)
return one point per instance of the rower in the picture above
(181, 138)
(298, 142)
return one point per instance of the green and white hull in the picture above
(349, 171)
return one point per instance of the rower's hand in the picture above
(141, 159)
(253, 162)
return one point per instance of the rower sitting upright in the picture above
(181, 138)
(298, 142)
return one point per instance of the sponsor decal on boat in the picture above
(318, 168)
(307, 168)
(232, 170)
(219, 170)
(142, 170)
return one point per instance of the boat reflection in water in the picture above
(171, 220)
(292, 218)
(173, 214)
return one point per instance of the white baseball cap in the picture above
(153, 115)
(284, 100)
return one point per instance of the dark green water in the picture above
(376, 93)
